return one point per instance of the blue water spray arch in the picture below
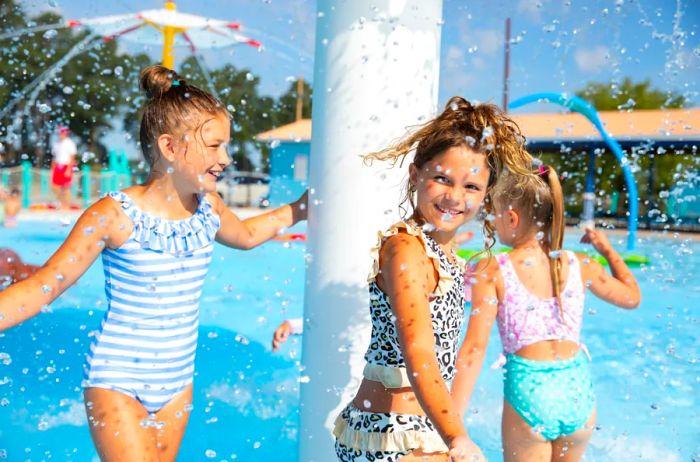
(584, 108)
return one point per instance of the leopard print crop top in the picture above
(446, 310)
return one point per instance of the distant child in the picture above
(64, 152)
(403, 409)
(156, 242)
(12, 268)
(536, 295)
(292, 326)
(12, 207)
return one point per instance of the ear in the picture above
(413, 174)
(166, 146)
(513, 218)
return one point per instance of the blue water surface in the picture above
(645, 362)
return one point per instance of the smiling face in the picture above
(201, 154)
(450, 187)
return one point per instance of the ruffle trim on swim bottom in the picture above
(402, 435)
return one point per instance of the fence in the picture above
(87, 185)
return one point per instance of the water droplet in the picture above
(210, 453)
(475, 170)
(89, 230)
(539, 235)
(555, 254)
(118, 71)
(46, 289)
(486, 132)
(471, 141)
(49, 34)
(68, 90)
(367, 403)
(170, 170)
(44, 108)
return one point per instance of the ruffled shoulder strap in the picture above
(171, 236)
(445, 278)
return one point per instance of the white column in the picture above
(376, 74)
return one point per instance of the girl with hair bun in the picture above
(156, 242)
(403, 410)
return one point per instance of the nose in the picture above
(455, 195)
(224, 158)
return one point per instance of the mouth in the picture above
(448, 213)
(215, 174)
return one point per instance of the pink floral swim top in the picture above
(525, 319)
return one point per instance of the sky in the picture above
(556, 45)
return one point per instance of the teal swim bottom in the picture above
(554, 397)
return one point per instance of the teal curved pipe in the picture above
(584, 108)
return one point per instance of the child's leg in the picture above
(115, 422)
(174, 416)
(570, 448)
(520, 441)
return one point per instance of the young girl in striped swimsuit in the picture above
(156, 242)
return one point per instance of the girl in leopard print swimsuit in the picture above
(403, 409)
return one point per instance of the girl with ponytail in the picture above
(536, 295)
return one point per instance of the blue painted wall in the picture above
(289, 171)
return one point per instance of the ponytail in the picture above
(555, 237)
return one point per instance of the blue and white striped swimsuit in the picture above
(146, 345)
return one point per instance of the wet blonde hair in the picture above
(538, 199)
(482, 128)
(172, 104)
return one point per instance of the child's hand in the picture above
(281, 335)
(462, 449)
(598, 240)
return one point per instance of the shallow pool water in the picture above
(645, 362)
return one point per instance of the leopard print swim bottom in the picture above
(378, 423)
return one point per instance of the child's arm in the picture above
(483, 315)
(251, 232)
(407, 277)
(103, 224)
(621, 288)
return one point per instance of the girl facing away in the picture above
(403, 409)
(156, 242)
(536, 295)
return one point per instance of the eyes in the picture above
(442, 179)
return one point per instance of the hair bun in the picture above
(156, 80)
(457, 103)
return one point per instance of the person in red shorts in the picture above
(64, 152)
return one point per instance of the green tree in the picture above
(86, 94)
(629, 95)
(286, 109)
